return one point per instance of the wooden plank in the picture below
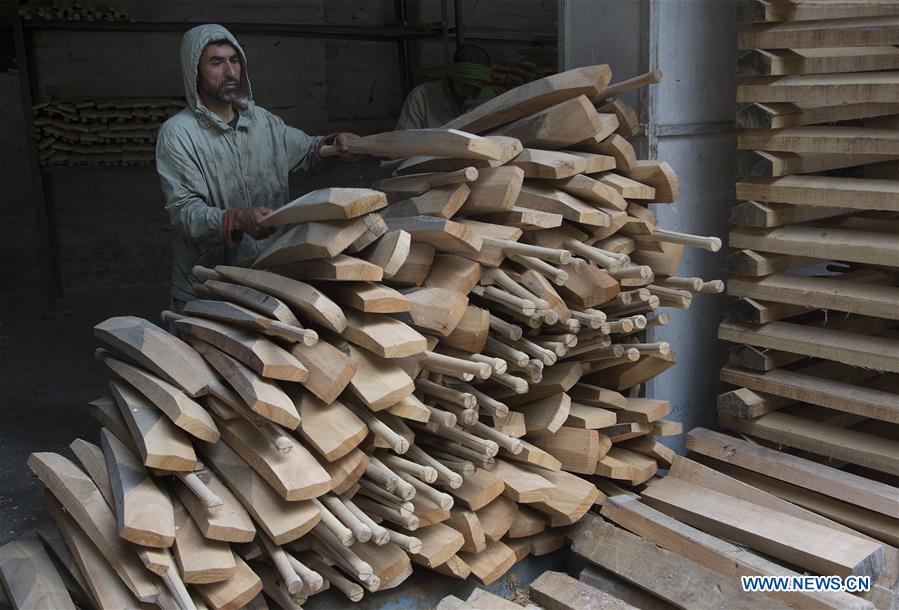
(774, 164)
(766, 10)
(466, 522)
(592, 191)
(821, 243)
(30, 578)
(341, 268)
(830, 393)
(811, 475)
(144, 513)
(554, 164)
(495, 190)
(560, 125)
(369, 297)
(230, 523)
(429, 163)
(447, 141)
(302, 297)
(445, 235)
(434, 310)
(779, 115)
(260, 354)
(675, 579)
(533, 97)
(714, 553)
(281, 520)
(524, 219)
(184, 412)
(161, 444)
(780, 62)
(330, 370)
(558, 591)
(263, 397)
(577, 449)
(522, 485)
(378, 382)
(390, 252)
(105, 587)
(382, 335)
(491, 563)
(162, 353)
(407, 186)
(824, 292)
(613, 146)
(798, 542)
(294, 474)
(823, 439)
(700, 474)
(442, 201)
(846, 347)
(252, 299)
(233, 593)
(866, 31)
(826, 191)
(589, 418)
(479, 489)
(660, 176)
(199, 559)
(327, 204)
(822, 89)
(875, 525)
(69, 569)
(332, 429)
(439, 542)
(89, 509)
(810, 139)
(626, 187)
(751, 263)
(622, 589)
(453, 273)
(569, 501)
(470, 334)
(313, 240)
(544, 198)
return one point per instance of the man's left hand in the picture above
(341, 141)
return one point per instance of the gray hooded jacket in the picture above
(206, 167)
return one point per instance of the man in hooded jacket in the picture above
(224, 161)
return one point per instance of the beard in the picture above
(220, 92)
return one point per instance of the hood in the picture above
(192, 45)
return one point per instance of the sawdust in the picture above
(519, 593)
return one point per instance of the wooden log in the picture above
(533, 97)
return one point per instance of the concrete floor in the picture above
(48, 376)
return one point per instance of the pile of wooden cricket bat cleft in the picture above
(442, 370)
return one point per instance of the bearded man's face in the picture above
(219, 72)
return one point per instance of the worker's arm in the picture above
(187, 198)
(414, 112)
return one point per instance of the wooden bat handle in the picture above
(466, 174)
(204, 273)
(650, 78)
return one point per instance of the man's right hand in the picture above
(248, 222)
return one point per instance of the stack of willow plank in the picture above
(815, 271)
(442, 370)
(100, 132)
(738, 509)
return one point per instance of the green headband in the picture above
(476, 75)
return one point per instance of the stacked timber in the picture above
(101, 132)
(815, 272)
(74, 10)
(442, 370)
(743, 510)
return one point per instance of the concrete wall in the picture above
(688, 124)
(109, 220)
